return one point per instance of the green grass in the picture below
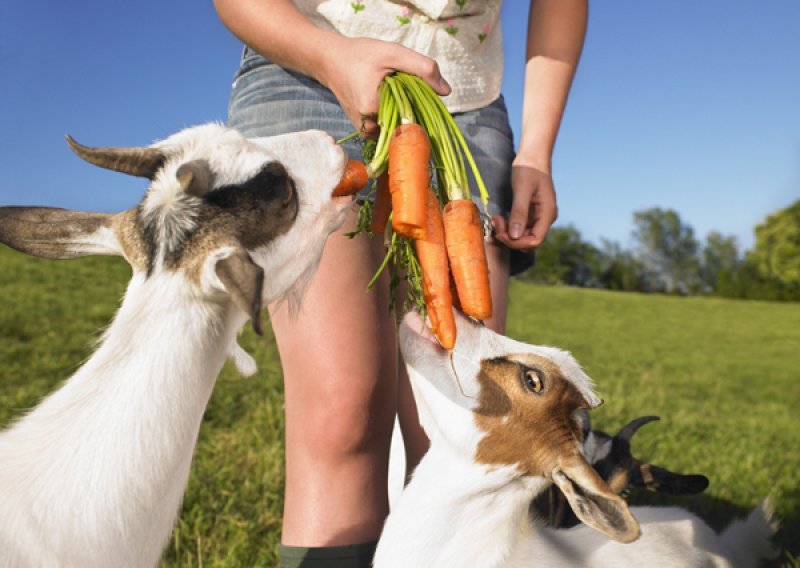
(723, 375)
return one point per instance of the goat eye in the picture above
(533, 380)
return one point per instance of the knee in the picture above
(348, 422)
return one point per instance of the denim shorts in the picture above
(267, 100)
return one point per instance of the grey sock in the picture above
(345, 556)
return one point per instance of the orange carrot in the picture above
(454, 292)
(432, 256)
(409, 179)
(383, 205)
(464, 239)
(353, 180)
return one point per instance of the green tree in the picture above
(720, 256)
(667, 249)
(619, 269)
(747, 283)
(565, 258)
(777, 247)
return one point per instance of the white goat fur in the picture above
(94, 475)
(459, 512)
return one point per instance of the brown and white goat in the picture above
(94, 475)
(503, 420)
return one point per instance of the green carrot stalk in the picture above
(405, 100)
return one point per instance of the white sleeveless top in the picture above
(463, 36)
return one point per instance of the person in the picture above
(317, 64)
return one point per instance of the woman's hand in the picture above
(355, 67)
(533, 209)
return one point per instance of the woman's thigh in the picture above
(337, 350)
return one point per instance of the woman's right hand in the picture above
(354, 68)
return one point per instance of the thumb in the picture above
(520, 209)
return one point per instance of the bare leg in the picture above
(414, 438)
(497, 256)
(339, 361)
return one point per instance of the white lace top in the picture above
(463, 36)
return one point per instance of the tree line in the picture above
(668, 258)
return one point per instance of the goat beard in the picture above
(293, 297)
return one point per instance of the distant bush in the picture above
(668, 259)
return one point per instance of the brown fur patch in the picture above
(249, 215)
(129, 235)
(534, 431)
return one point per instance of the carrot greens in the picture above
(409, 106)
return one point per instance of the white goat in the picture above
(94, 475)
(502, 418)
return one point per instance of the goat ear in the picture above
(551, 508)
(594, 503)
(244, 282)
(57, 233)
(660, 480)
(195, 177)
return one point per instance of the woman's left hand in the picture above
(533, 209)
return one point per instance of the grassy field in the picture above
(723, 375)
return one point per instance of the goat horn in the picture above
(627, 431)
(140, 162)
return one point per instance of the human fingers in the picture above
(423, 67)
(368, 126)
(353, 72)
(523, 187)
(545, 211)
(356, 68)
(524, 243)
(410, 62)
(533, 209)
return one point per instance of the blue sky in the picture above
(690, 105)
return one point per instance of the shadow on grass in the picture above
(719, 513)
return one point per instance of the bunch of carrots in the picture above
(432, 227)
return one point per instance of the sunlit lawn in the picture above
(723, 375)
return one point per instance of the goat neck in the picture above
(452, 509)
(142, 415)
